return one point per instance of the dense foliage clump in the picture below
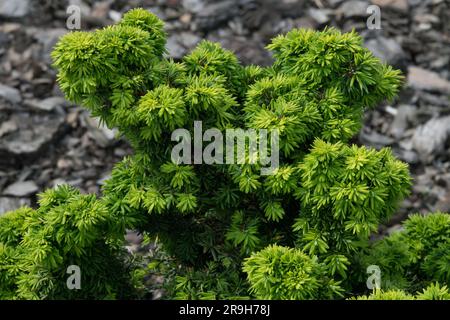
(432, 292)
(37, 247)
(416, 256)
(230, 230)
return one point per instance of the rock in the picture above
(334, 3)
(430, 138)
(64, 163)
(213, 14)
(5, 39)
(439, 62)
(400, 5)
(58, 182)
(7, 127)
(186, 18)
(179, 44)
(375, 139)
(72, 119)
(101, 9)
(48, 104)
(423, 79)
(306, 23)
(14, 8)
(103, 179)
(410, 157)
(194, 6)
(47, 38)
(21, 189)
(426, 19)
(394, 228)
(104, 136)
(10, 94)
(189, 40)
(387, 50)
(443, 203)
(415, 3)
(435, 100)
(115, 15)
(354, 8)
(405, 114)
(35, 132)
(174, 48)
(133, 237)
(9, 204)
(321, 16)
(248, 51)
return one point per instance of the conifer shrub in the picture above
(416, 256)
(230, 230)
(38, 246)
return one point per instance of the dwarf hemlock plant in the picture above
(37, 247)
(230, 230)
(415, 257)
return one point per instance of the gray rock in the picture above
(48, 104)
(410, 157)
(434, 99)
(14, 8)
(248, 51)
(354, 8)
(394, 228)
(174, 48)
(9, 204)
(10, 94)
(375, 139)
(115, 15)
(443, 203)
(133, 237)
(48, 38)
(7, 127)
(189, 40)
(34, 133)
(179, 44)
(430, 138)
(212, 15)
(321, 16)
(99, 132)
(415, 3)
(387, 50)
(405, 114)
(423, 79)
(21, 189)
(194, 6)
(399, 5)
(334, 3)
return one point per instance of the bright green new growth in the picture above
(37, 247)
(350, 188)
(309, 218)
(286, 273)
(413, 258)
(432, 292)
(412, 261)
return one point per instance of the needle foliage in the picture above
(230, 231)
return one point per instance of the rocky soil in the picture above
(45, 141)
